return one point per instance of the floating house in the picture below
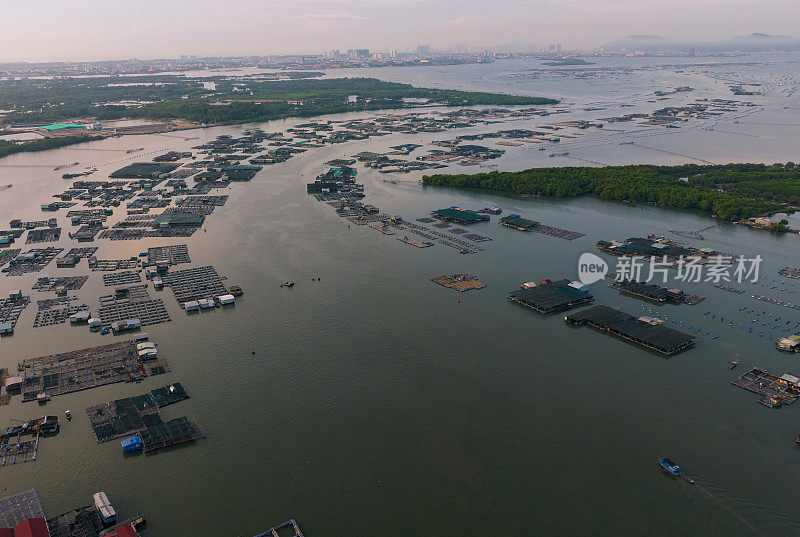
(515, 221)
(644, 331)
(549, 297)
(459, 216)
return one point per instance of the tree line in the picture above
(729, 191)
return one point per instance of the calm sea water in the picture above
(380, 403)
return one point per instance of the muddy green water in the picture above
(380, 403)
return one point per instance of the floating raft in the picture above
(123, 417)
(412, 242)
(74, 371)
(459, 282)
(729, 288)
(273, 532)
(18, 507)
(790, 272)
(785, 389)
(171, 433)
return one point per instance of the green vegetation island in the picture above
(9, 148)
(222, 99)
(567, 62)
(726, 191)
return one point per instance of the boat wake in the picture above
(750, 514)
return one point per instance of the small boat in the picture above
(670, 467)
(287, 284)
(797, 440)
(734, 364)
(68, 414)
(689, 480)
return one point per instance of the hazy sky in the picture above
(36, 30)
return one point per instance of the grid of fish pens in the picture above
(135, 303)
(171, 433)
(68, 372)
(122, 278)
(194, 284)
(11, 309)
(174, 255)
(123, 417)
(82, 522)
(18, 507)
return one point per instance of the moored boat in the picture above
(104, 508)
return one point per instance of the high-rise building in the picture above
(424, 50)
(558, 47)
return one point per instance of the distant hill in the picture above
(745, 43)
(650, 43)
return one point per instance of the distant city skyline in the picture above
(91, 30)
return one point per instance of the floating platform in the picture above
(790, 272)
(412, 242)
(194, 284)
(557, 232)
(80, 253)
(729, 288)
(122, 278)
(13, 449)
(171, 433)
(550, 297)
(50, 234)
(82, 522)
(783, 390)
(52, 315)
(459, 282)
(654, 292)
(172, 255)
(69, 283)
(68, 372)
(109, 265)
(19, 507)
(124, 417)
(11, 309)
(459, 216)
(133, 303)
(643, 331)
(273, 532)
(38, 259)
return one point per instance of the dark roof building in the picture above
(643, 331)
(649, 291)
(32, 527)
(143, 170)
(460, 216)
(549, 297)
(517, 222)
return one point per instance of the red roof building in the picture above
(32, 527)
